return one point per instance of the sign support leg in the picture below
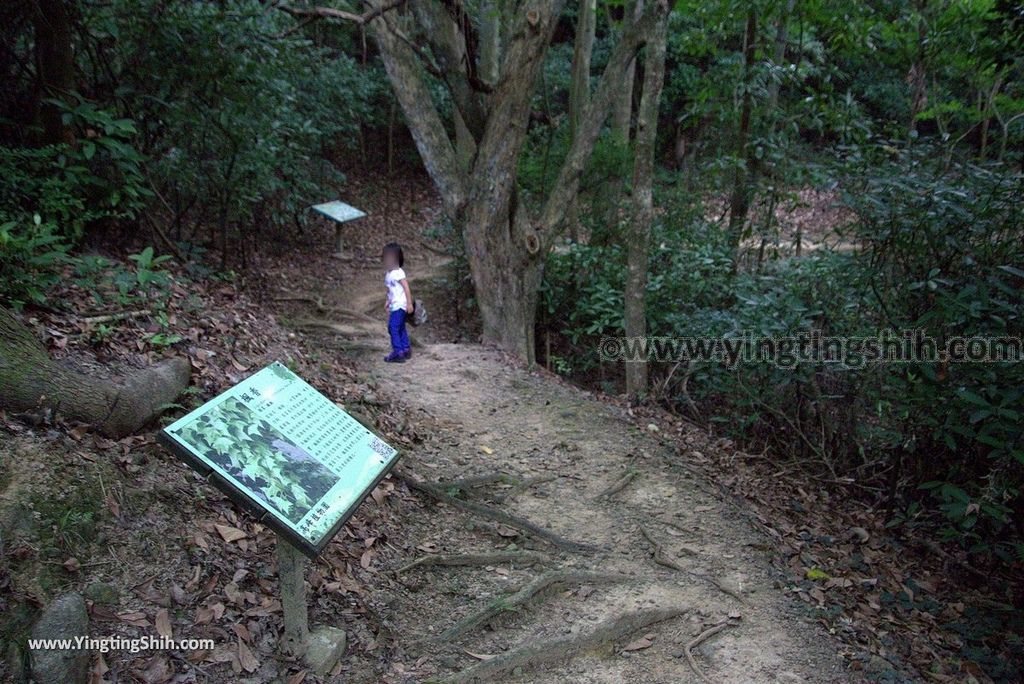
(339, 251)
(321, 648)
(291, 572)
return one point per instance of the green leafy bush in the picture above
(50, 196)
(938, 253)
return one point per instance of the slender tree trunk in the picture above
(779, 55)
(583, 48)
(579, 88)
(739, 204)
(917, 77)
(490, 41)
(55, 65)
(465, 146)
(622, 110)
(643, 203)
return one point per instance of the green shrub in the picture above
(938, 253)
(50, 197)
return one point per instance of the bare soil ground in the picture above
(653, 536)
(669, 544)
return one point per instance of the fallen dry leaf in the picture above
(646, 641)
(246, 658)
(97, 675)
(163, 624)
(134, 619)
(230, 534)
(158, 670)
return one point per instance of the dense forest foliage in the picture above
(845, 168)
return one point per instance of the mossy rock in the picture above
(102, 593)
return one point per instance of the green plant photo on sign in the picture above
(275, 444)
(282, 474)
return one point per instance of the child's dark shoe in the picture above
(407, 354)
(394, 357)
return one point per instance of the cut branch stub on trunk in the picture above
(30, 380)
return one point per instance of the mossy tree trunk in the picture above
(31, 380)
(635, 317)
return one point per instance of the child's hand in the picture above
(408, 309)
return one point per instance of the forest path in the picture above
(661, 543)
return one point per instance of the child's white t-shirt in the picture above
(396, 293)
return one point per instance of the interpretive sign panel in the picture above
(288, 453)
(339, 211)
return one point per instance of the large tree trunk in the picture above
(506, 262)
(505, 241)
(643, 204)
(917, 77)
(31, 380)
(739, 204)
(55, 65)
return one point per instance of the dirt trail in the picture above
(561, 452)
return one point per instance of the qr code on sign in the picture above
(382, 449)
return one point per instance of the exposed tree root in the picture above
(522, 485)
(326, 324)
(547, 583)
(317, 302)
(467, 483)
(490, 513)
(661, 558)
(119, 316)
(466, 559)
(556, 650)
(519, 485)
(619, 484)
(698, 640)
(31, 381)
(659, 555)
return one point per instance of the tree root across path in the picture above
(544, 652)
(518, 484)
(522, 558)
(439, 492)
(619, 484)
(701, 638)
(547, 583)
(659, 556)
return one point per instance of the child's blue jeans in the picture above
(399, 335)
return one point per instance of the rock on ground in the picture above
(64, 618)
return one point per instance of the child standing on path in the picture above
(399, 302)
